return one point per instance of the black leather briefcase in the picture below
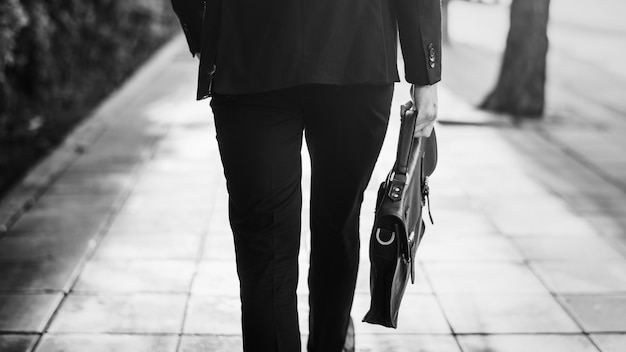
(398, 225)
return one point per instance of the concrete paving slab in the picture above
(506, 313)
(608, 225)
(443, 185)
(216, 277)
(36, 275)
(542, 224)
(17, 343)
(523, 343)
(219, 246)
(571, 248)
(531, 205)
(124, 234)
(224, 343)
(613, 204)
(136, 275)
(365, 343)
(187, 182)
(166, 218)
(405, 343)
(558, 169)
(74, 204)
(218, 221)
(107, 343)
(175, 204)
(610, 342)
(26, 312)
(482, 277)
(165, 165)
(43, 247)
(502, 183)
(220, 315)
(93, 184)
(598, 148)
(67, 214)
(196, 145)
(453, 202)
(121, 313)
(583, 277)
(599, 313)
(455, 222)
(457, 248)
(148, 246)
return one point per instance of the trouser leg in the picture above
(345, 128)
(260, 138)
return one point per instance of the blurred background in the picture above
(583, 55)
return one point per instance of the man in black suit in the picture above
(281, 69)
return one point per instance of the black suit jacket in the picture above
(250, 46)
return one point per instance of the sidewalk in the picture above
(129, 249)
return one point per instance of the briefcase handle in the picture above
(410, 148)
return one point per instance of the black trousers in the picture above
(260, 141)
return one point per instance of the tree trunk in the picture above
(520, 89)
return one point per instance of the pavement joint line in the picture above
(111, 333)
(87, 255)
(556, 296)
(19, 199)
(520, 333)
(29, 292)
(539, 129)
(100, 233)
(197, 262)
(439, 303)
(581, 160)
(613, 242)
(20, 332)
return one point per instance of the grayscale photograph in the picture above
(312, 176)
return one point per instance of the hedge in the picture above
(58, 58)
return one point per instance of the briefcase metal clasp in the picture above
(385, 242)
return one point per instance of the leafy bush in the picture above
(12, 21)
(58, 58)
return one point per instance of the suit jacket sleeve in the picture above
(190, 13)
(419, 26)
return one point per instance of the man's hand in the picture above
(425, 103)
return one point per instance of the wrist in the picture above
(423, 85)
